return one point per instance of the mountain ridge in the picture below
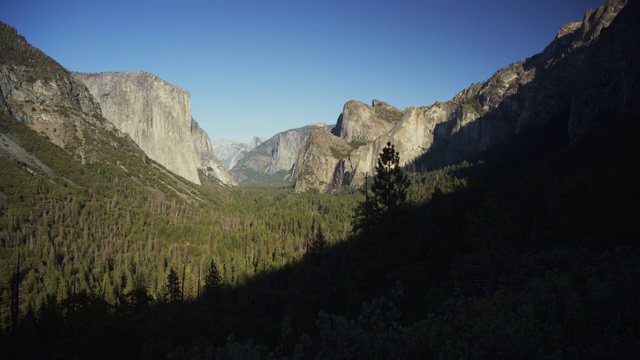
(523, 95)
(274, 159)
(37, 91)
(531, 253)
(157, 115)
(229, 152)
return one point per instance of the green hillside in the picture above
(529, 251)
(481, 251)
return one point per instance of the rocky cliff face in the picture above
(36, 90)
(362, 123)
(208, 163)
(229, 152)
(611, 87)
(350, 156)
(321, 162)
(272, 161)
(589, 67)
(157, 116)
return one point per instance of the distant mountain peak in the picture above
(255, 142)
(273, 159)
(231, 151)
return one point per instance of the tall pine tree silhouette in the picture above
(173, 286)
(388, 192)
(212, 280)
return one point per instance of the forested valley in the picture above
(530, 254)
(528, 250)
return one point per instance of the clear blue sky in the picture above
(261, 67)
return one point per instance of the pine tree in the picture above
(15, 305)
(173, 286)
(318, 243)
(387, 194)
(390, 185)
(212, 280)
(365, 209)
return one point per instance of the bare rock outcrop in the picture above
(363, 123)
(36, 90)
(157, 116)
(354, 154)
(274, 159)
(229, 152)
(321, 162)
(576, 81)
(208, 163)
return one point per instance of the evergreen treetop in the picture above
(389, 188)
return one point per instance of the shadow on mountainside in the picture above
(533, 253)
(569, 95)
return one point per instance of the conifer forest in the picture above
(479, 260)
(527, 250)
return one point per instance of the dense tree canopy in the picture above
(105, 250)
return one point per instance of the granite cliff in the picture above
(157, 116)
(208, 163)
(273, 160)
(585, 73)
(39, 92)
(229, 152)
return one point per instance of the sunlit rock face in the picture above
(207, 160)
(56, 106)
(321, 162)
(157, 116)
(361, 122)
(586, 72)
(229, 152)
(39, 92)
(273, 160)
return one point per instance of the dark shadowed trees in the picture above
(390, 184)
(212, 280)
(173, 286)
(317, 244)
(388, 192)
